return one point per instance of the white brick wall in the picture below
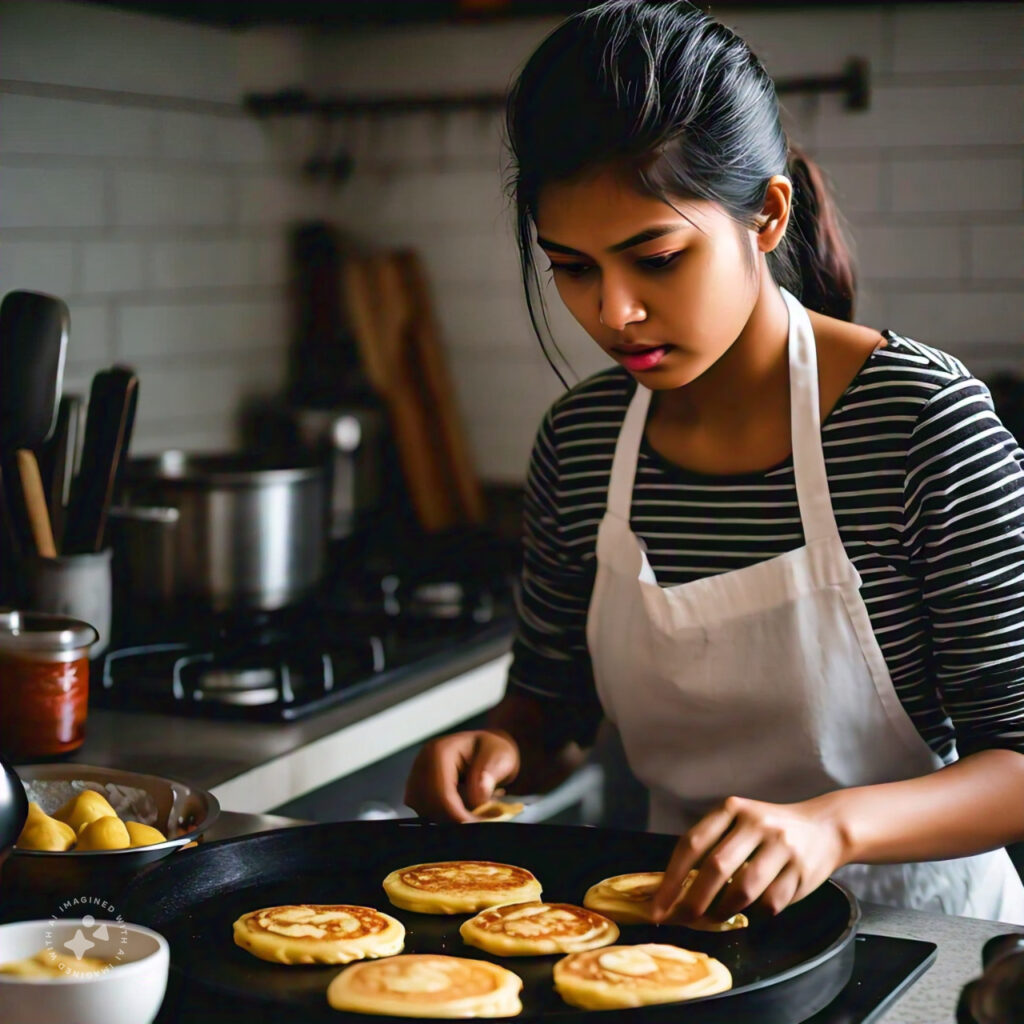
(161, 222)
(165, 228)
(930, 180)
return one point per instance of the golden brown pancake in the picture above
(622, 976)
(536, 929)
(628, 899)
(316, 933)
(427, 985)
(459, 886)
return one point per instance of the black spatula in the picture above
(33, 343)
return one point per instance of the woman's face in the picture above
(665, 292)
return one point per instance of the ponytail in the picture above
(818, 249)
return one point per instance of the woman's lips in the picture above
(645, 359)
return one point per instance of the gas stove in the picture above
(385, 612)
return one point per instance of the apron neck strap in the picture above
(812, 491)
(627, 450)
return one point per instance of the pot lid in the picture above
(39, 633)
(175, 468)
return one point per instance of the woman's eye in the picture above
(659, 262)
(571, 269)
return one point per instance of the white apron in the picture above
(767, 682)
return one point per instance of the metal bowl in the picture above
(38, 877)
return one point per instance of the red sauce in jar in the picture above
(42, 706)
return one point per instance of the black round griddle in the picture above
(784, 969)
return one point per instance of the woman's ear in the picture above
(774, 215)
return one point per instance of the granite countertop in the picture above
(930, 1000)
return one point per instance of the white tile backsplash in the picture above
(272, 199)
(959, 319)
(857, 184)
(90, 338)
(182, 135)
(191, 388)
(794, 43)
(244, 141)
(908, 253)
(129, 184)
(205, 264)
(269, 261)
(166, 226)
(88, 46)
(51, 197)
(43, 124)
(926, 115)
(997, 251)
(200, 328)
(969, 183)
(112, 267)
(964, 37)
(170, 199)
(37, 267)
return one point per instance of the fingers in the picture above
(716, 870)
(784, 890)
(752, 879)
(495, 760)
(432, 789)
(688, 852)
(467, 763)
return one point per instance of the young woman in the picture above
(780, 551)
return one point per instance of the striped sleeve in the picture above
(550, 659)
(964, 532)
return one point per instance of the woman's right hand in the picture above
(455, 773)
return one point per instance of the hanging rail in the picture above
(852, 83)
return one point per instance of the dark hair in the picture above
(681, 102)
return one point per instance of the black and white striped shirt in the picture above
(928, 492)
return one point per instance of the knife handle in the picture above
(35, 503)
(108, 427)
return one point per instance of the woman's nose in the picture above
(619, 306)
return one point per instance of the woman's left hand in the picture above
(751, 852)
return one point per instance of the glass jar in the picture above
(44, 683)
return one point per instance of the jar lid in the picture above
(40, 633)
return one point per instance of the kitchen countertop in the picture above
(931, 1000)
(255, 766)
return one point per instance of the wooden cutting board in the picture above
(439, 393)
(383, 321)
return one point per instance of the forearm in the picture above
(547, 755)
(974, 805)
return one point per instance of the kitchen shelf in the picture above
(852, 83)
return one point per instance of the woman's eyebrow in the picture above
(647, 235)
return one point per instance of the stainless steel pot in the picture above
(225, 531)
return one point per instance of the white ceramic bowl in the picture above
(128, 993)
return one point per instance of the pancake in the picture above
(498, 810)
(314, 933)
(628, 899)
(623, 976)
(536, 929)
(424, 985)
(459, 886)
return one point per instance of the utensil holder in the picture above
(78, 586)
